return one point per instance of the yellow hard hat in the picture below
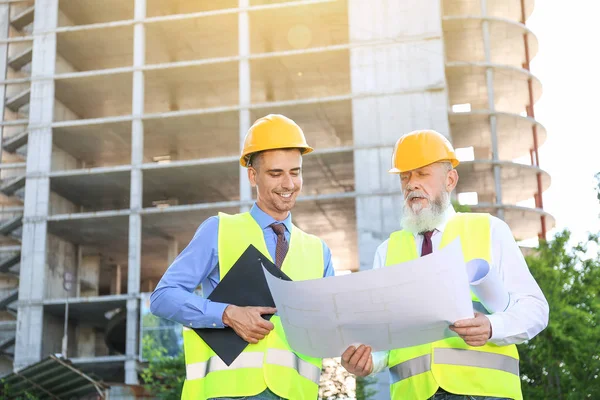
(420, 148)
(273, 132)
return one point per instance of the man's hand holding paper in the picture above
(474, 331)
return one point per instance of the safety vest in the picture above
(417, 372)
(270, 363)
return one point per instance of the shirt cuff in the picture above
(380, 360)
(215, 312)
(498, 331)
(212, 317)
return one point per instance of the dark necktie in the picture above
(282, 244)
(427, 247)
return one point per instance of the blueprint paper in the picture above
(487, 285)
(397, 306)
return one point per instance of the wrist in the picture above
(227, 314)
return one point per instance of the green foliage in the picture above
(364, 389)
(6, 392)
(563, 361)
(461, 207)
(163, 333)
(165, 374)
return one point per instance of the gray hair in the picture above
(447, 165)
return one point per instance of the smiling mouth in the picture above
(285, 195)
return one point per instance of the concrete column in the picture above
(489, 76)
(89, 275)
(61, 257)
(86, 341)
(79, 261)
(135, 219)
(28, 348)
(401, 87)
(118, 277)
(244, 94)
(115, 279)
(4, 28)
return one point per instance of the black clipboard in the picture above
(244, 285)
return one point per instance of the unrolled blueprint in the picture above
(397, 306)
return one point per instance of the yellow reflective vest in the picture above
(270, 363)
(417, 372)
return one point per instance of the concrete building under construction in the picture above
(123, 121)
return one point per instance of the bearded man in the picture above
(482, 361)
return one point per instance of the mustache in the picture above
(417, 194)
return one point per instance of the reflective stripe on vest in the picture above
(282, 358)
(288, 359)
(244, 360)
(460, 357)
(409, 368)
(479, 359)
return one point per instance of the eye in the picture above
(275, 175)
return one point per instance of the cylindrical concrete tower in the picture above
(491, 95)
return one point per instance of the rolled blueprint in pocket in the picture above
(487, 285)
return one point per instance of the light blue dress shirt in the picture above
(174, 297)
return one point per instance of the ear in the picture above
(451, 180)
(252, 176)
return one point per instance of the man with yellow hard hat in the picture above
(268, 368)
(482, 361)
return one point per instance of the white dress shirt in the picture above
(527, 311)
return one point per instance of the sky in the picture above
(568, 66)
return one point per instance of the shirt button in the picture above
(214, 324)
(190, 324)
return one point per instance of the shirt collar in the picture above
(448, 214)
(264, 220)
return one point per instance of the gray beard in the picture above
(425, 219)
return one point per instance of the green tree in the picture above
(461, 207)
(6, 392)
(563, 361)
(165, 334)
(164, 375)
(364, 387)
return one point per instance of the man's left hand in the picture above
(474, 331)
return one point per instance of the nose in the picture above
(411, 185)
(288, 183)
